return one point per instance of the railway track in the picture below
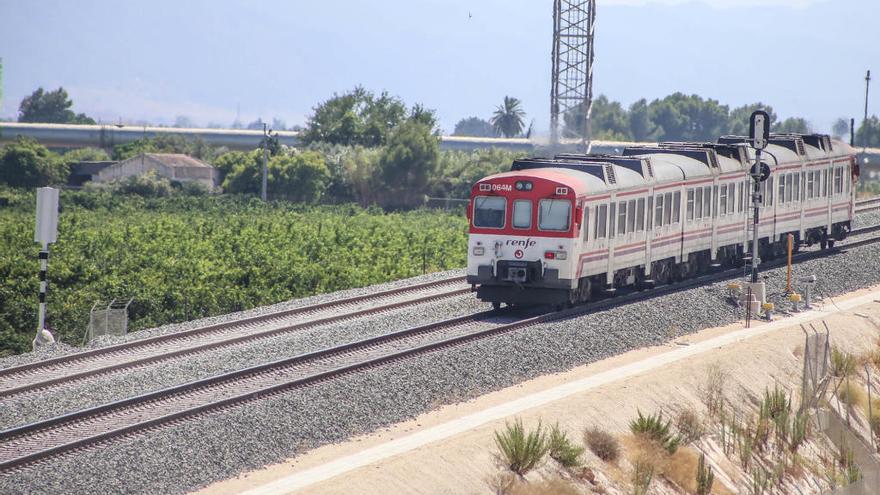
(25, 445)
(869, 204)
(138, 353)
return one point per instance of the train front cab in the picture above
(524, 232)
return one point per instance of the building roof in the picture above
(176, 160)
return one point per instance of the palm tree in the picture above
(508, 118)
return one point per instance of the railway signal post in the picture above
(46, 232)
(759, 134)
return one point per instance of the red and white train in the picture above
(554, 231)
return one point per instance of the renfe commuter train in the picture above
(557, 231)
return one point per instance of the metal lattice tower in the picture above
(572, 79)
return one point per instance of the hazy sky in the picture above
(158, 59)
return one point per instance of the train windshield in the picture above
(489, 211)
(554, 214)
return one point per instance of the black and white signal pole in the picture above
(265, 183)
(46, 232)
(759, 133)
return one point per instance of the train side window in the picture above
(789, 186)
(690, 205)
(782, 189)
(489, 211)
(811, 178)
(522, 214)
(825, 183)
(631, 216)
(640, 215)
(586, 222)
(601, 221)
(771, 191)
(731, 198)
(554, 214)
(707, 202)
(797, 187)
(658, 211)
(621, 218)
(676, 207)
(612, 220)
(667, 208)
(698, 203)
(722, 206)
(650, 210)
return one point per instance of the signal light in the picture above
(555, 255)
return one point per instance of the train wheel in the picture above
(661, 273)
(823, 243)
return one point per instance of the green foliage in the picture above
(27, 163)
(508, 118)
(562, 450)
(458, 171)
(148, 185)
(172, 143)
(185, 257)
(840, 129)
(521, 451)
(609, 121)
(603, 444)
(868, 133)
(739, 118)
(681, 117)
(85, 155)
(799, 430)
(50, 107)
(300, 177)
(653, 428)
(793, 124)
(243, 172)
(474, 126)
(705, 477)
(407, 163)
(358, 117)
(843, 364)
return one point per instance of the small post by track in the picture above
(45, 233)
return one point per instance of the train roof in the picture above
(580, 182)
(613, 176)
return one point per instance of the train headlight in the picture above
(561, 255)
(478, 250)
(555, 255)
(523, 185)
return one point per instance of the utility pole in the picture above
(864, 122)
(265, 162)
(46, 233)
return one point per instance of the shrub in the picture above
(705, 477)
(653, 428)
(562, 450)
(842, 363)
(799, 430)
(603, 444)
(853, 395)
(689, 426)
(713, 389)
(643, 473)
(521, 451)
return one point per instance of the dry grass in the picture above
(510, 484)
(842, 363)
(689, 425)
(712, 390)
(679, 468)
(853, 395)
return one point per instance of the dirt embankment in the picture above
(452, 450)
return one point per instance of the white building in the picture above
(173, 166)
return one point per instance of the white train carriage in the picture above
(554, 231)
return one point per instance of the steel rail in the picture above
(48, 446)
(869, 204)
(13, 381)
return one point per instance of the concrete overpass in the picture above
(108, 136)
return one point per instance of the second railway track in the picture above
(81, 365)
(32, 443)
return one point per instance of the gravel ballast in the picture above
(194, 453)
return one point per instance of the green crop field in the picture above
(182, 258)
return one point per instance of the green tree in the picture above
(301, 177)
(244, 172)
(406, 164)
(356, 117)
(173, 143)
(609, 121)
(793, 124)
(508, 119)
(681, 117)
(85, 155)
(640, 125)
(226, 162)
(869, 132)
(50, 107)
(840, 129)
(27, 163)
(474, 126)
(740, 116)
